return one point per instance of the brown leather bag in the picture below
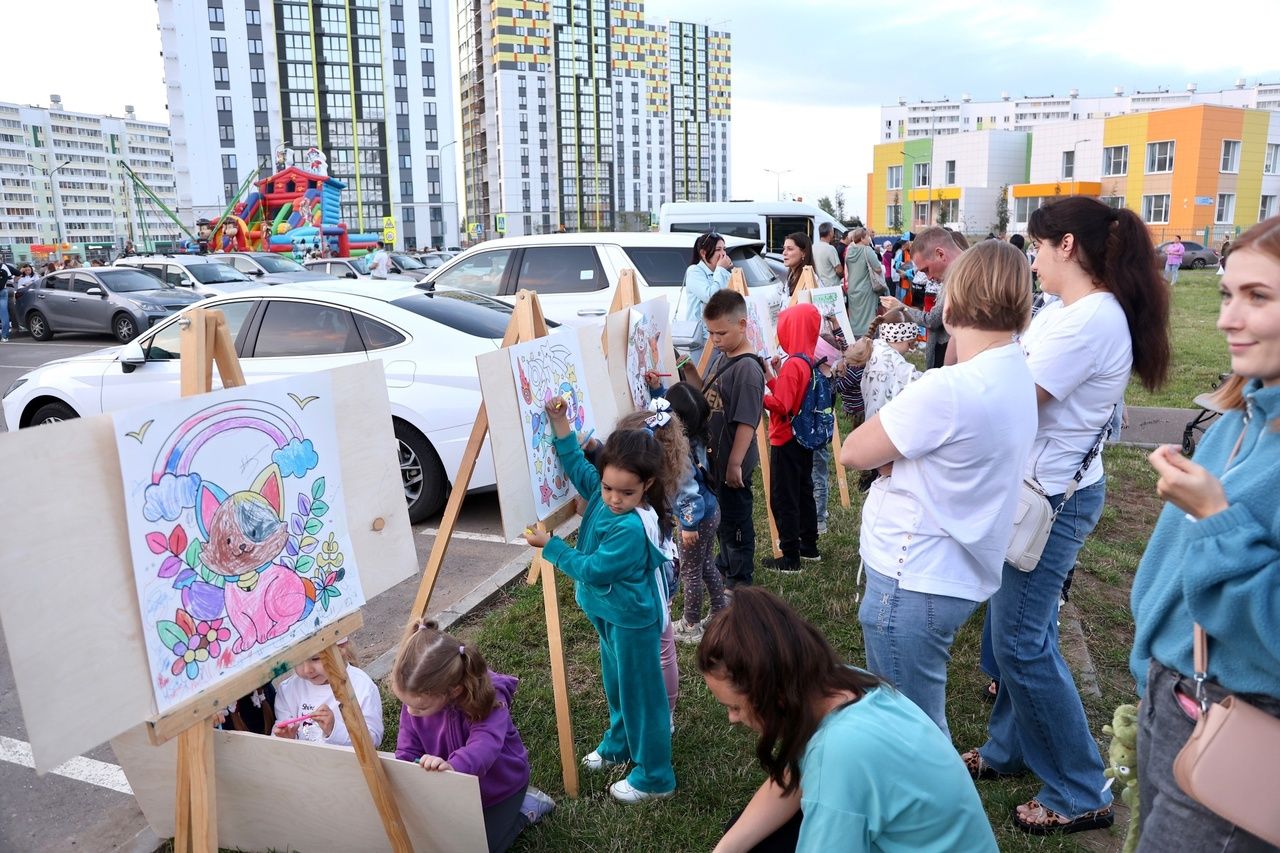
(1231, 763)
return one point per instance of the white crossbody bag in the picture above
(1035, 516)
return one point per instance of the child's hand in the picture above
(558, 410)
(536, 538)
(323, 717)
(775, 363)
(287, 732)
(688, 538)
(652, 379)
(733, 475)
(432, 762)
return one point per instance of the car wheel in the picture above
(52, 413)
(420, 470)
(1197, 264)
(38, 326)
(124, 328)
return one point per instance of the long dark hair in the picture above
(704, 246)
(785, 667)
(1115, 250)
(804, 244)
(638, 452)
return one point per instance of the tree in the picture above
(853, 222)
(825, 203)
(839, 205)
(1002, 210)
(896, 224)
(941, 218)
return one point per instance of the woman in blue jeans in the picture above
(1111, 319)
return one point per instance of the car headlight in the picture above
(18, 383)
(147, 306)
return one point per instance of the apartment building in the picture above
(65, 181)
(368, 82)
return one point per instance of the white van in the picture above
(770, 222)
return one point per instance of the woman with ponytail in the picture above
(1111, 318)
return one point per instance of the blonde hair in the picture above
(859, 234)
(432, 663)
(675, 451)
(989, 288)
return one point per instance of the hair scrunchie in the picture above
(659, 414)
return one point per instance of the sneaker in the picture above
(536, 805)
(822, 528)
(623, 792)
(781, 564)
(810, 554)
(686, 633)
(595, 761)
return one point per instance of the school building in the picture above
(1205, 172)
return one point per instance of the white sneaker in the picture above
(595, 761)
(686, 633)
(623, 792)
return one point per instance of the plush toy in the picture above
(1122, 756)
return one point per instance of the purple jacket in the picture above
(490, 748)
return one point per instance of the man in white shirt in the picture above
(826, 259)
(380, 262)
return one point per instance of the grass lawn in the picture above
(714, 762)
(1199, 350)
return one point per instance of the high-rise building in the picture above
(66, 185)
(367, 82)
(578, 114)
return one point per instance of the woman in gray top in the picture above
(861, 288)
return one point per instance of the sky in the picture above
(809, 76)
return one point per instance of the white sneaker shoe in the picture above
(686, 633)
(623, 792)
(595, 761)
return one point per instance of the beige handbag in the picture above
(1231, 763)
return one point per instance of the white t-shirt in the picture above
(825, 261)
(884, 377)
(1081, 354)
(296, 696)
(379, 263)
(941, 523)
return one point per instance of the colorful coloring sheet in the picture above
(760, 327)
(648, 337)
(543, 369)
(237, 526)
(830, 302)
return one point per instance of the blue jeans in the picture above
(4, 312)
(908, 636)
(1171, 273)
(821, 474)
(736, 534)
(1038, 722)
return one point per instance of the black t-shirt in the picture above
(736, 396)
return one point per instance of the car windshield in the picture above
(406, 262)
(216, 273)
(754, 267)
(275, 263)
(130, 281)
(360, 265)
(469, 313)
(432, 261)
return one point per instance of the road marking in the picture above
(81, 769)
(473, 537)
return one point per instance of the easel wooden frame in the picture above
(808, 281)
(527, 323)
(205, 341)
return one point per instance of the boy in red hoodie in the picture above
(791, 487)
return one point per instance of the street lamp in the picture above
(1074, 161)
(53, 186)
(777, 174)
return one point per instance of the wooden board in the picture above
(616, 328)
(87, 633)
(277, 794)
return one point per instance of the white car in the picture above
(575, 274)
(351, 268)
(428, 343)
(200, 274)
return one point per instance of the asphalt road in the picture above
(79, 811)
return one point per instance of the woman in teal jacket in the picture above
(615, 569)
(1214, 560)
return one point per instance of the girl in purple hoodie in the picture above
(457, 717)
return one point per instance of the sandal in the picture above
(1039, 820)
(979, 769)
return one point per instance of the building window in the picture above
(257, 75)
(894, 181)
(1115, 160)
(1159, 157)
(950, 174)
(228, 161)
(920, 175)
(223, 102)
(255, 45)
(221, 74)
(259, 105)
(1271, 165)
(215, 15)
(253, 17)
(920, 212)
(1267, 207)
(406, 161)
(1226, 211)
(1115, 201)
(1155, 209)
(227, 133)
(219, 44)
(893, 217)
(1069, 165)
(1230, 155)
(1024, 207)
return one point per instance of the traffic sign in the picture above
(388, 223)
(500, 223)
(476, 229)
(388, 235)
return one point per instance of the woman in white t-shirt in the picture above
(935, 531)
(1111, 316)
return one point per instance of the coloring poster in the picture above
(830, 303)
(648, 336)
(237, 525)
(760, 331)
(543, 369)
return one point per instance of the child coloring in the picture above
(457, 716)
(613, 570)
(307, 695)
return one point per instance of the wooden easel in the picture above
(808, 281)
(205, 341)
(527, 323)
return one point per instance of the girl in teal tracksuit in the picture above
(614, 568)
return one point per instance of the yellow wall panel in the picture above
(883, 156)
(1130, 130)
(1253, 151)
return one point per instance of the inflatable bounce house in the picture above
(291, 211)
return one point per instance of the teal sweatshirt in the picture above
(613, 564)
(1222, 571)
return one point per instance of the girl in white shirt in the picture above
(887, 372)
(307, 693)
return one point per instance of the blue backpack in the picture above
(815, 422)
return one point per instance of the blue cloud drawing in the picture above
(296, 458)
(169, 497)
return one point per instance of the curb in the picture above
(145, 841)
(1076, 651)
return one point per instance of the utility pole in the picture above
(57, 203)
(777, 174)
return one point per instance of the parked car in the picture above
(409, 265)
(351, 268)
(268, 267)
(432, 260)
(1197, 255)
(204, 276)
(110, 300)
(575, 274)
(428, 343)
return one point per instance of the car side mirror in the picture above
(131, 356)
(350, 275)
(94, 291)
(255, 272)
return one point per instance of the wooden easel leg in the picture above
(762, 443)
(374, 774)
(559, 676)
(197, 830)
(840, 469)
